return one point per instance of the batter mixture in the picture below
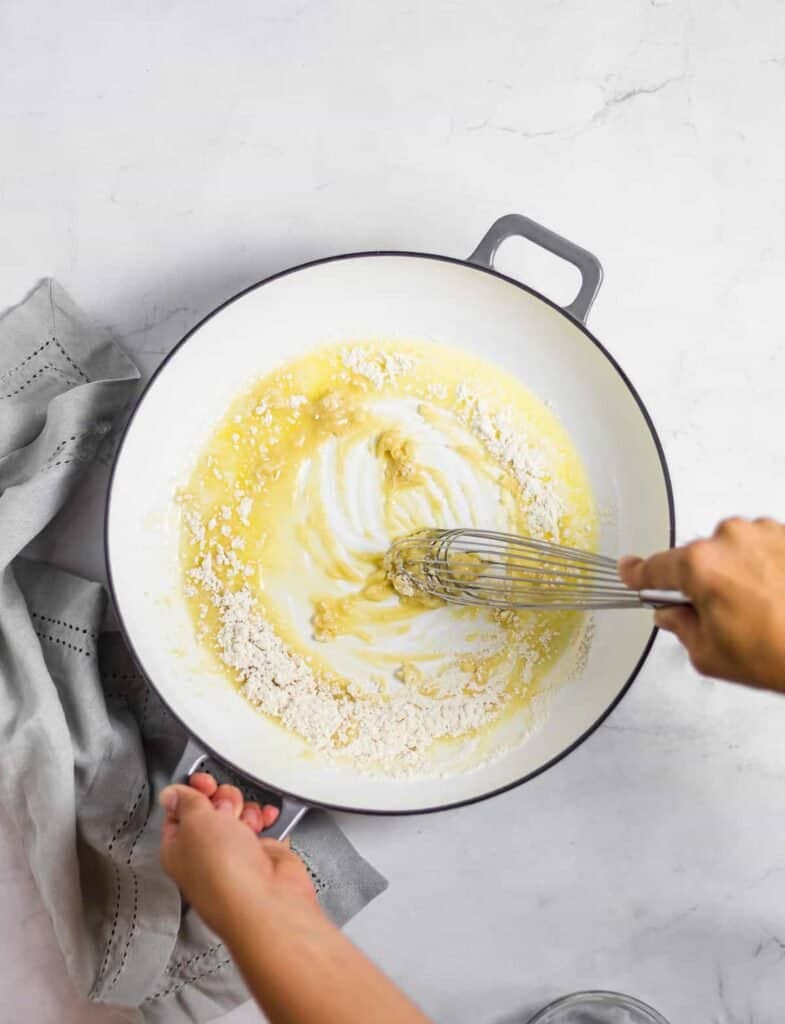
(292, 506)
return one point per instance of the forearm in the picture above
(302, 970)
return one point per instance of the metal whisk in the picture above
(500, 570)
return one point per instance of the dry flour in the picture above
(392, 732)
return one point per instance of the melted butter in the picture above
(334, 475)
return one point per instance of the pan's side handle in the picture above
(588, 265)
(291, 813)
(191, 761)
(194, 757)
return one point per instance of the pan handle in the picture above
(291, 810)
(291, 813)
(516, 224)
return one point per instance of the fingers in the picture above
(181, 801)
(204, 783)
(252, 817)
(270, 815)
(258, 818)
(228, 799)
(224, 798)
(682, 621)
(663, 571)
(629, 569)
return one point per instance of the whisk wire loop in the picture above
(499, 570)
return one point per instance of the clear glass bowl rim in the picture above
(596, 999)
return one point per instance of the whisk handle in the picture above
(662, 598)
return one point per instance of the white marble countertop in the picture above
(157, 157)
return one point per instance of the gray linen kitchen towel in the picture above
(86, 744)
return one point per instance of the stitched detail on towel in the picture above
(66, 625)
(37, 352)
(177, 965)
(124, 824)
(134, 914)
(177, 987)
(66, 462)
(113, 932)
(69, 360)
(131, 931)
(138, 700)
(34, 376)
(317, 881)
(62, 445)
(145, 704)
(118, 884)
(85, 446)
(64, 643)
